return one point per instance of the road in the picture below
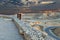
(50, 32)
(8, 30)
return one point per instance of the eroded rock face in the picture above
(31, 33)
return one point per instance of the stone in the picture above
(31, 33)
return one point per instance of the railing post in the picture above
(19, 16)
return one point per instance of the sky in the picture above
(12, 5)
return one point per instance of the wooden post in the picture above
(19, 16)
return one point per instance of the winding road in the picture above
(48, 30)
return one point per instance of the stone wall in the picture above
(29, 32)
